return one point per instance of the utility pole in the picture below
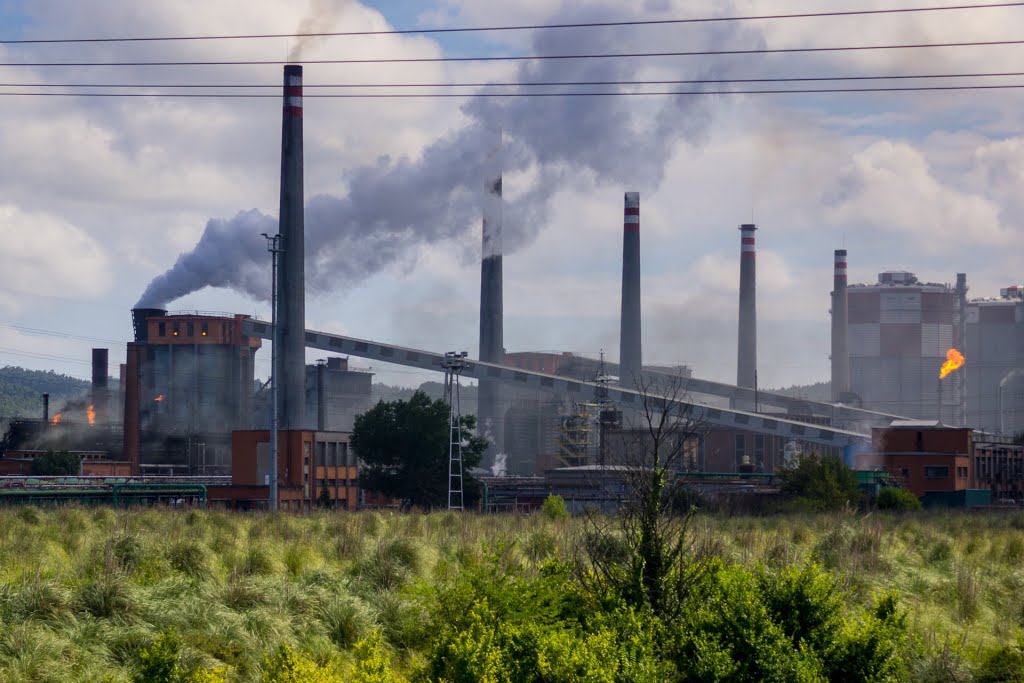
(454, 363)
(275, 248)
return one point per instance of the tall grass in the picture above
(83, 591)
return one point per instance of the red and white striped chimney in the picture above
(840, 329)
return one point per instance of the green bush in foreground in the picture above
(897, 500)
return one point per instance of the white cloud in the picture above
(50, 257)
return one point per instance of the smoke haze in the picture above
(395, 206)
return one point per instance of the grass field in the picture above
(84, 591)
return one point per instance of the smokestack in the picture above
(131, 387)
(99, 383)
(746, 359)
(840, 329)
(492, 347)
(960, 342)
(46, 408)
(290, 373)
(630, 359)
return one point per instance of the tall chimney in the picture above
(492, 348)
(99, 384)
(840, 329)
(746, 359)
(290, 373)
(46, 408)
(960, 342)
(630, 357)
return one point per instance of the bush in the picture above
(820, 483)
(59, 464)
(897, 500)
(553, 507)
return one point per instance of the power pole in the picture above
(454, 363)
(275, 248)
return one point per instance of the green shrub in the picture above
(56, 464)
(160, 661)
(1002, 665)
(553, 507)
(897, 500)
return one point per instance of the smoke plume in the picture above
(320, 18)
(397, 205)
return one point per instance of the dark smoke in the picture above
(394, 207)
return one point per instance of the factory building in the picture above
(899, 332)
(189, 382)
(994, 371)
(335, 394)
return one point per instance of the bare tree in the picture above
(643, 552)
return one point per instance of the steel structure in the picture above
(453, 363)
(576, 389)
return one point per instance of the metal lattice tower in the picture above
(454, 362)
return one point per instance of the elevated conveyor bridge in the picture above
(576, 390)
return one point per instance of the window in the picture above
(204, 329)
(191, 329)
(961, 472)
(936, 472)
(759, 450)
(161, 329)
(741, 447)
(176, 330)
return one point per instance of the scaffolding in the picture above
(454, 363)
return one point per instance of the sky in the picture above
(99, 196)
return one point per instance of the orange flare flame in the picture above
(159, 398)
(954, 360)
(90, 413)
(56, 418)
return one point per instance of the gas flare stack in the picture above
(290, 372)
(840, 330)
(746, 359)
(492, 350)
(630, 356)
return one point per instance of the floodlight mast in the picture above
(275, 248)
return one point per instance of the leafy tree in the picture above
(56, 464)
(819, 483)
(651, 568)
(403, 450)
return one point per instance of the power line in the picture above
(513, 84)
(519, 27)
(517, 58)
(650, 93)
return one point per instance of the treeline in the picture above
(21, 391)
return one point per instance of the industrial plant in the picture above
(927, 387)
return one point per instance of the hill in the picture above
(21, 391)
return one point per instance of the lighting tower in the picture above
(454, 363)
(275, 248)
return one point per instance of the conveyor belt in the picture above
(575, 389)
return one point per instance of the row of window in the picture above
(936, 472)
(190, 329)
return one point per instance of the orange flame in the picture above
(159, 398)
(56, 418)
(954, 361)
(90, 413)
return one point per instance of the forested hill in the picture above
(21, 391)
(819, 391)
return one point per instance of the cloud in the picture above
(50, 257)
(889, 186)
